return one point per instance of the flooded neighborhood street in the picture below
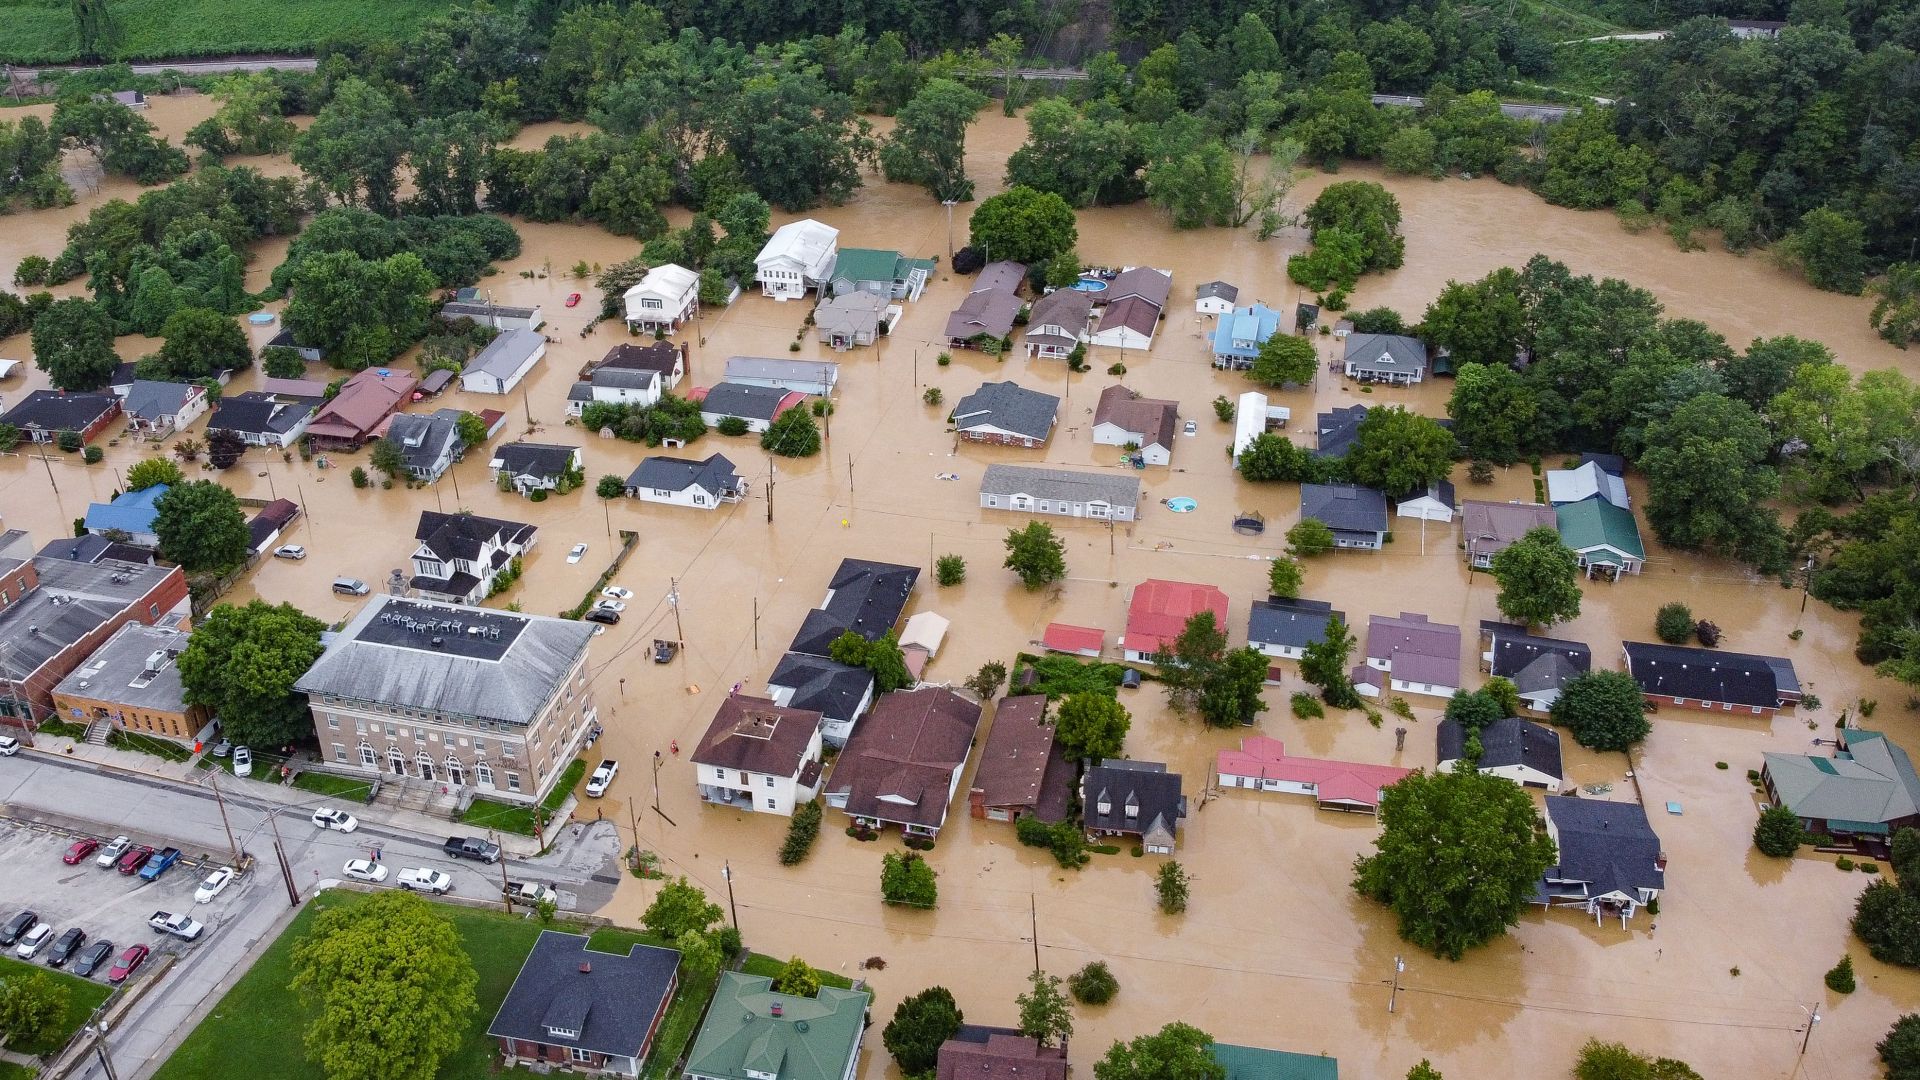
(1276, 948)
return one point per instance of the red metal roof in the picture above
(1160, 610)
(1060, 637)
(1334, 781)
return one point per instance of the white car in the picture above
(365, 870)
(615, 592)
(328, 818)
(112, 852)
(610, 605)
(602, 778)
(289, 551)
(33, 940)
(9, 746)
(215, 884)
(242, 761)
(578, 552)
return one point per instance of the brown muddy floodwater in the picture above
(1276, 949)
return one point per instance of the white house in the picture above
(800, 256)
(1107, 495)
(816, 377)
(1519, 750)
(759, 756)
(1124, 418)
(1057, 325)
(616, 386)
(1611, 862)
(1436, 503)
(703, 485)
(457, 556)
(663, 299)
(499, 316)
(528, 467)
(840, 693)
(155, 410)
(1215, 298)
(503, 363)
(1410, 655)
(1252, 418)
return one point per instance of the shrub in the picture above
(1719, 764)
(1480, 472)
(905, 878)
(1063, 838)
(1223, 409)
(1117, 369)
(1093, 984)
(537, 495)
(358, 476)
(69, 441)
(1674, 624)
(731, 425)
(933, 396)
(950, 570)
(798, 979)
(1306, 706)
(1172, 888)
(943, 359)
(610, 487)
(1778, 832)
(92, 455)
(1707, 632)
(1869, 868)
(802, 831)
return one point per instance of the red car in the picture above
(128, 963)
(573, 299)
(133, 860)
(80, 849)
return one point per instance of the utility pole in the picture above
(306, 512)
(756, 634)
(771, 469)
(100, 1049)
(49, 465)
(1813, 1017)
(455, 477)
(606, 505)
(221, 802)
(849, 476)
(726, 871)
(673, 601)
(286, 868)
(506, 895)
(948, 203)
(916, 368)
(1399, 966)
(656, 784)
(1033, 917)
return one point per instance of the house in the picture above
(490, 698)
(1133, 798)
(759, 406)
(1488, 528)
(759, 756)
(815, 377)
(1357, 515)
(1861, 794)
(615, 386)
(265, 527)
(1022, 772)
(43, 414)
(753, 1033)
(525, 467)
(902, 764)
(864, 597)
(840, 693)
(855, 318)
(361, 407)
(886, 274)
(264, 418)
(798, 257)
(503, 363)
(458, 556)
(1263, 764)
(1537, 666)
(1589, 481)
(984, 315)
(1134, 301)
(1238, 336)
(1603, 537)
(1755, 28)
(992, 1053)
(1255, 1063)
(132, 99)
(1281, 627)
(1073, 640)
(1103, 496)
(661, 300)
(920, 640)
(285, 340)
(664, 357)
(158, 409)
(1411, 655)
(128, 518)
(1435, 503)
(1385, 358)
(1057, 325)
(1611, 862)
(1337, 430)
(499, 316)
(1519, 750)
(584, 1010)
(1215, 298)
(1002, 276)
(1611, 464)
(1006, 413)
(121, 381)
(58, 606)
(130, 683)
(674, 481)
(1709, 680)
(1159, 611)
(1252, 418)
(1124, 418)
(429, 443)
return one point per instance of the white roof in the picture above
(1574, 485)
(666, 279)
(806, 241)
(7, 366)
(926, 630)
(1249, 420)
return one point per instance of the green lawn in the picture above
(345, 787)
(515, 818)
(83, 996)
(147, 744)
(10, 1071)
(37, 31)
(762, 964)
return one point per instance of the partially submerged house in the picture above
(1239, 334)
(985, 315)
(887, 274)
(863, 596)
(921, 638)
(1409, 654)
(702, 485)
(1385, 358)
(1278, 626)
(902, 764)
(840, 693)
(660, 301)
(266, 525)
(1709, 680)
(851, 319)
(664, 357)
(156, 409)
(1253, 417)
(1263, 764)
(759, 406)
(1134, 301)
(361, 408)
(128, 518)
(505, 361)
(1022, 773)
(1538, 667)
(525, 467)
(501, 317)
(1488, 528)
(797, 258)
(457, 557)
(815, 377)
(986, 1053)
(43, 414)
(1159, 610)
(1006, 413)
(1436, 502)
(1604, 537)
(759, 756)
(1124, 418)
(429, 443)
(1519, 750)
(1073, 640)
(1611, 863)
(615, 386)
(1860, 795)
(262, 418)
(1215, 298)
(1057, 325)
(1337, 429)
(1258, 1063)
(752, 1032)
(1356, 515)
(1590, 481)
(1133, 798)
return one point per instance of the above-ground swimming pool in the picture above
(1182, 505)
(260, 318)
(1090, 284)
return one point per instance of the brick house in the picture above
(42, 415)
(586, 1011)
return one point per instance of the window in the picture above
(359, 727)
(479, 745)
(769, 781)
(574, 1053)
(1133, 810)
(333, 722)
(153, 611)
(366, 755)
(771, 804)
(513, 781)
(483, 774)
(339, 752)
(721, 775)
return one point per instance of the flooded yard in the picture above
(1276, 949)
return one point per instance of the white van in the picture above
(350, 586)
(9, 746)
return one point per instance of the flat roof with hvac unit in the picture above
(467, 631)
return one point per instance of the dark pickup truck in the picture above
(472, 847)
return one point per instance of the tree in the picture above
(986, 682)
(1708, 481)
(928, 145)
(1171, 886)
(1176, 1052)
(1044, 1011)
(610, 486)
(1759, 374)
(1473, 710)
(1614, 1061)
(201, 343)
(799, 141)
(1024, 225)
(33, 1008)
(1399, 452)
(920, 1024)
(1830, 248)
(680, 906)
(121, 138)
(1896, 306)
(390, 986)
(881, 656)
(950, 570)
(1606, 710)
(792, 434)
(1092, 725)
(73, 344)
(1458, 858)
(145, 474)
(1411, 151)
(1036, 554)
(242, 662)
(471, 429)
(1309, 537)
(1189, 661)
(390, 459)
(906, 879)
(1284, 577)
(1539, 579)
(1324, 664)
(96, 28)
(360, 311)
(1231, 694)
(201, 526)
(280, 362)
(1673, 623)
(1367, 211)
(1839, 978)
(700, 957)
(1900, 1050)
(1496, 413)
(1887, 918)
(1093, 984)
(355, 145)
(1424, 1071)
(1778, 832)
(1283, 359)
(797, 978)
(1905, 857)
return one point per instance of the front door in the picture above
(396, 763)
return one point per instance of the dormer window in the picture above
(1105, 807)
(563, 1033)
(1133, 809)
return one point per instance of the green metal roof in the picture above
(869, 264)
(1874, 828)
(811, 1038)
(1595, 523)
(1254, 1063)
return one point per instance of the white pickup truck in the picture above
(531, 892)
(179, 926)
(423, 879)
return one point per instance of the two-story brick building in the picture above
(132, 683)
(585, 1011)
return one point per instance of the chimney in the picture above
(774, 1010)
(586, 967)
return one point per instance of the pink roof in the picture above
(698, 393)
(793, 399)
(1160, 610)
(1061, 637)
(1418, 650)
(1334, 781)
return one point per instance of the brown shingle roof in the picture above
(1133, 313)
(363, 402)
(1014, 761)
(754, 734)
(900, 761)
(999, 1054)
(1154, 418)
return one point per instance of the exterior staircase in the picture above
(98, 731)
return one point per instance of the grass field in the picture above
(344, 787)
(83, 996)
(515, 818)
(41, 31)
(762, 964)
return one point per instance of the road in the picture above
(188, 67)
(61, 792)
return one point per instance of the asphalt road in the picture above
(80, 797)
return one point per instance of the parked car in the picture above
(349, 586)
(33, 941)
(134, 859)
(214, 885)
(18, 925)
(79, 850)
(339, 820)
(602, 777)
(663, 650)
(575, 553)
(222, 748)
(158, 864)
(365, 870)
(530, 892)
(91, 958)
(1193, 428)
(9, 746)
(472, 847)
(423, 879)
(615, 592)
(128, 963)
(603, 615)
(610, 605)
(573, 299)
(289, 551)
(179, 926)
(242, 761)
(65, 946)
(112, 852)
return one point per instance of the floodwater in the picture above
(1276, 949)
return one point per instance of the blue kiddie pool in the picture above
(1182, 505)
(261, 318)
(1090, 284)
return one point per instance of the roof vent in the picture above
(800, 1026)
(439, 642)
(775, 1009)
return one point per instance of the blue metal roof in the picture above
(132, 512)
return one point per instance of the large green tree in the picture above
(33, 1008)
(355, 145)
(920, 1024)
(73, 344)
(360, 311)
(1896, 304)
(1045, 1012)
(242, 662)
(1324, 664)
(678, 907)
(1285, 358)
(798, 141)
(201, 526)
(906, 879)
(1366, 210)
(1399, 452)
(1177, 1051)
(121, 138)
(1900, 1050)
(390, 986)
(199, 344)
(1085, 160)
(1024, 225)
(1830, 246)
(1708, 480)
(1495, 413)
(1458, 858)
(929, 140)
(1767, 366)
(1036, 554)
(1230, 696)
(1539, 579)
(1091, 724)
(1606, 710)
(1191, 659)
(1481, 322)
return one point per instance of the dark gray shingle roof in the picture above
(1008, 406)
(611, 1000)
